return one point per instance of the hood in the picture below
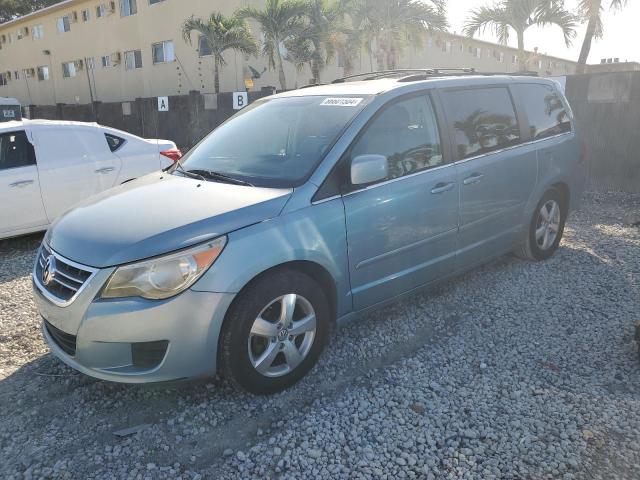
(157, 214)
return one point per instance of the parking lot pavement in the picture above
(515, 370)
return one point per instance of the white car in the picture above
(47, 166)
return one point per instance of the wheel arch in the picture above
(565, 192)
(313, 269)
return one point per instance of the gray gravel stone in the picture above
(514, 370)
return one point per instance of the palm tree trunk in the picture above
(522, 55)
(586, 44)
(216, 76)
(283, 79)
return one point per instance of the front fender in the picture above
(315, 233)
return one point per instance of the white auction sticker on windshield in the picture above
(341, 101)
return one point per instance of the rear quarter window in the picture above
(114, 142)
(483, 120)
(546, 112)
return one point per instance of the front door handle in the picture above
(105, 170)
(441, 188)
(21, 183)
(475, 178)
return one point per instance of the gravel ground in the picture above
(516, 370)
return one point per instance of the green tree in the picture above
(324, 21)
(220, 33)
(394, 24)
(10, 9)
(590, 11)
(279, 21)
(519, 15)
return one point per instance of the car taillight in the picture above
(174, 154)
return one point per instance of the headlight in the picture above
(163, 277)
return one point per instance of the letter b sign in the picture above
(240, 100)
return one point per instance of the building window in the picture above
(204, 48)
(4, 79)
(132, 59)
(68, 69)
(86, 15)
(105, 9)
(106, 61)
(37, 31)
(23, 32)
(43, 73)
(29, 72)
(91, 63)
(163, 52)
(16, 75)
(64, 25)
(128, 7)
(153, 2)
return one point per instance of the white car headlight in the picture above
(166, 276)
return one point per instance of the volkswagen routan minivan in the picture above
(305, 209)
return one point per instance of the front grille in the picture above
(65, 341)
(65, 278)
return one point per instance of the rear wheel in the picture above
(546, 227)
(274, 332)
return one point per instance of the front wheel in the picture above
(546, 227)
(274, 332)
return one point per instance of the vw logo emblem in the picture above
(49, 270)
(283, 334)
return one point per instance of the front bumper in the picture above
(108, 332)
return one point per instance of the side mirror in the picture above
(368, 168)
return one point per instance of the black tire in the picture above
(234, 358)
(530, 249)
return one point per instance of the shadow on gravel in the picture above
(17, 256)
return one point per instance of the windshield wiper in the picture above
(187, 173)
(220, 176)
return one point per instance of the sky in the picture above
(621, 32)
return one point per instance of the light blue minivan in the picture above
(302, 210)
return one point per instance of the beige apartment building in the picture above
(83, 50)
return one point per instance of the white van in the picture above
(46, 167)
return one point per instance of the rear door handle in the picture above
(475, 178)
(21, 183)
(105, 170)
(441, 188)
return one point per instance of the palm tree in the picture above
(395, 23)
(519, 15)
(220, 34)
(324, 21)
(279, 21)
(590, 11)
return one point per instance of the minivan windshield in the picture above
(273, 143)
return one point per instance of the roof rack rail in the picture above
(414, 74)
(401, 71)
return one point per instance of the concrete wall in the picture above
(607, 108)
(189, 119)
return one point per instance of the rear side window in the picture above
(16, 150)
(483, 120)
(546, 113)
(114, 142)
(406, 133)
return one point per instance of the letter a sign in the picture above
(240, 100)
(163, 104)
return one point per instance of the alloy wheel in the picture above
(548, 224)
(282, 335)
